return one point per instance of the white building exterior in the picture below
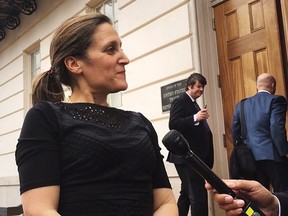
(165, 40)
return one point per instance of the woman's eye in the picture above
(110, 50)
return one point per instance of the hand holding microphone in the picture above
(250, 190)
(178, 145)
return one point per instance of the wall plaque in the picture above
(170, 92)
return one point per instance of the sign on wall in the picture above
(170, 92)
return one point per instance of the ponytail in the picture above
(46, 86)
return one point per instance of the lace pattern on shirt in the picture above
(92, 112)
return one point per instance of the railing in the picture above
(10, 211)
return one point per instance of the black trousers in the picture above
(192, 193)
(272, 173)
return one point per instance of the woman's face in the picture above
(104, 68)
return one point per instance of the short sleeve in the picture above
(159, 177)
(37, 151)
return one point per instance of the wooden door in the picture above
(248, 44)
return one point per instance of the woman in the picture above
(83, 157)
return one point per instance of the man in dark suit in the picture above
(188, 119)
(252, 191)
(265, 116)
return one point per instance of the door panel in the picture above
(284, 19)
(248, 44)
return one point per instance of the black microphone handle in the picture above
(249, 209)
(178, 145)
(203, 170)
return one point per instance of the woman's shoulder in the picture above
(42, 105)
(43, 108)
(138, 115)
(40, 115)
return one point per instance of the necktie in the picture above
(196, 105)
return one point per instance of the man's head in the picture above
(195, 85)
(266, 82)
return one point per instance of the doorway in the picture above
(250, 41)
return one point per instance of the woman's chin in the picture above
(120, 88)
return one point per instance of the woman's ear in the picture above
(72, 65)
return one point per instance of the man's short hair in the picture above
(191, 80)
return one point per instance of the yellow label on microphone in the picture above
(249, 212)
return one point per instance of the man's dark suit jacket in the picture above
(198, 136)
(283, 198)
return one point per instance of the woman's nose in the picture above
(124, 59)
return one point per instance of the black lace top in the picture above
(107, 161)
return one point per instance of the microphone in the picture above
(178, 145)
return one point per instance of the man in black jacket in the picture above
(188, 119)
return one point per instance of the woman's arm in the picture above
(41, 201)
(164, 202)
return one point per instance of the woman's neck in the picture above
(74, 98)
